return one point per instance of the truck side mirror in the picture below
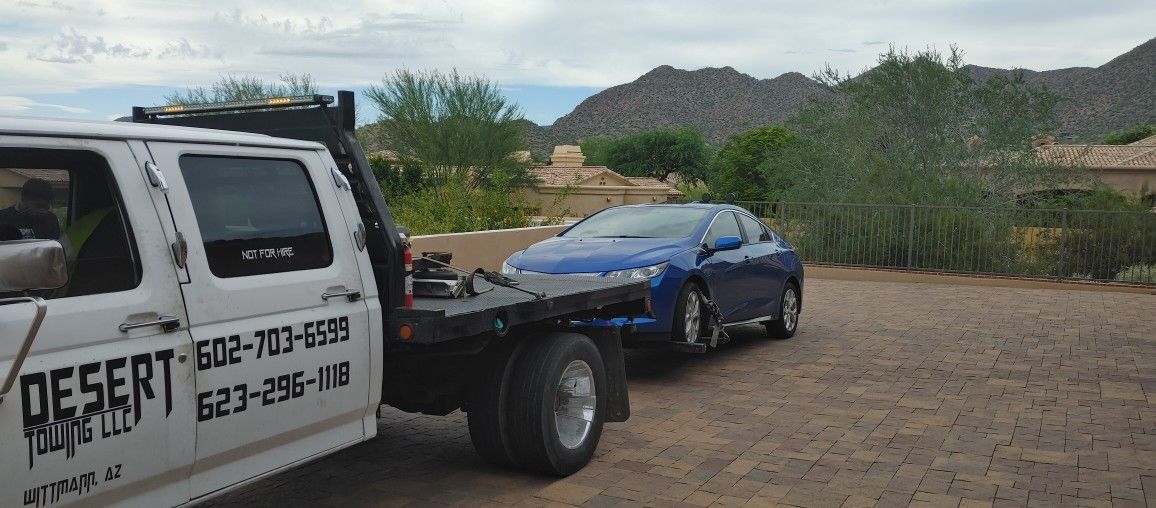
(26, 265)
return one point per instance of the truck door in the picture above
(280, 333)
(102, 409)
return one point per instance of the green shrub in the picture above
(1144, 274)
(455, 207)
(1130, 135)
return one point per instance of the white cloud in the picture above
(62, 46)
(17, 105)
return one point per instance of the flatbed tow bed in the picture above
(436, 320)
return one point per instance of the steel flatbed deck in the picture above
(437, 320)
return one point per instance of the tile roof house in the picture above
(568, 187)
(1129, 168)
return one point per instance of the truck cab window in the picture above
(69, 196)
(256, 216)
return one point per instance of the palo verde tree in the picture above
(918, 129)
(661, 153)
(746, 164)
(595, 149)
(1130, 135)
(232, 87)
(452, 127)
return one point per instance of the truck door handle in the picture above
(167, 323)
(352, 294)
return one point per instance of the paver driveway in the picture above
(890, 394)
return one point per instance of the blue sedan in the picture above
(693, 254)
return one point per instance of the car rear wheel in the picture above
(688, 314)
(788, 322)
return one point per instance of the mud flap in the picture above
(609, 342)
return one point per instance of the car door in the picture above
(281, 335)
(102, 410)
(723, 270)
(764, 267)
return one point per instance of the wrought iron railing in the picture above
(1062, 244)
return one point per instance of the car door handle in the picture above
(167, 323)
(352, 294)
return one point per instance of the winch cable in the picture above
(494, 278)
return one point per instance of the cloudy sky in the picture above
(97, 58)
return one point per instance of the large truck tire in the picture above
(557, 403)
(487, 407)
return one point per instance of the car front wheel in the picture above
(688, 314)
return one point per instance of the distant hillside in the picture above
(723, 101)
(1113, 96)
(719, 101)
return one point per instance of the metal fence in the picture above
(1062, 244)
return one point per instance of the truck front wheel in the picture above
(557, 403)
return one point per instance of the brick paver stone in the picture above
(890, 395)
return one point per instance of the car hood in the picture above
(588, 255)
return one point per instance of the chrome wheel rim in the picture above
(692, 315)
(790, 309)
(574, 404)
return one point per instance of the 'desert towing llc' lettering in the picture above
(69, 407)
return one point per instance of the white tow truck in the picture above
(192, 309)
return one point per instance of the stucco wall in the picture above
(483, 249)
(583, 201)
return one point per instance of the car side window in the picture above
(256, 216)
(756, 230)
(70, 196)
(724, 225)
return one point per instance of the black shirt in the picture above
(41, 225)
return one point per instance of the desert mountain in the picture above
(1113, 96)
(718, 101)
(722, 101)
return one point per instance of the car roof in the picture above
(31, 126)
(696, 204)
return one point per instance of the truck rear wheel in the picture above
(557, 400)
(487, 409)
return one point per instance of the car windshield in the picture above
(639, 222)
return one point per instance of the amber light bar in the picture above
(272, 102)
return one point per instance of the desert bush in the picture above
(456, 207)
(1145, 274)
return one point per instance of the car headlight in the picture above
(507, 269)
(646, 272)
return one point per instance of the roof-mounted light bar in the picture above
(272, 102)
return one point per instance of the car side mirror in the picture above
(27, 265)
(728, 243)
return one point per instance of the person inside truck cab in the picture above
(32, 215)
(94, 231)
